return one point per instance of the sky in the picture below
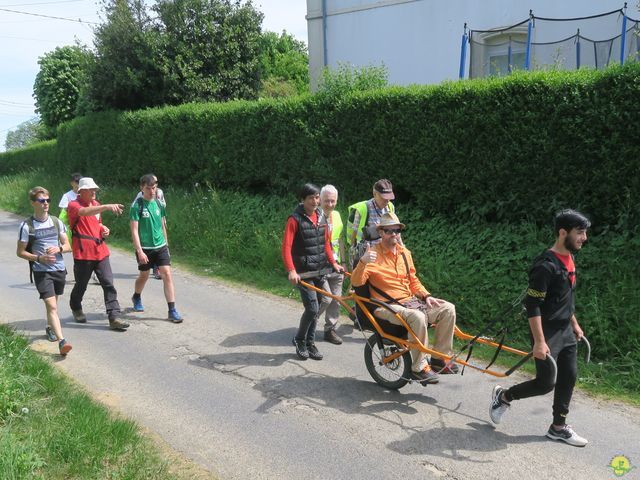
(25, 38)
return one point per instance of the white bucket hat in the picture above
(87, 183)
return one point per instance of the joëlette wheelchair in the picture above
(387, 351)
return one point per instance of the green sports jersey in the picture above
(149, 223)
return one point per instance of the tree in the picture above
(125, 74)
(210, 49)
(31, 131)
(62, 75)
(284, 64)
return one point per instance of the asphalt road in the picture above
(225, 389)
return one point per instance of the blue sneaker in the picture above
(174, 316)
(51, 335)
(137, 304)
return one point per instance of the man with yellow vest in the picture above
(328, 200)
(364, 216)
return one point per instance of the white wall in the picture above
(419, 40)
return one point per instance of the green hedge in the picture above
(39, 155)
(498, 149)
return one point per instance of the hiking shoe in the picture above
(567, 435)
(426, 376)
(156, 273)
(79, 316)
(444, 368)
(174, 316)
(64, 347)
(301, 349)
(498, 406)
(313, 352)
(137, 304)
(51, 335)
(332, 337)
(118, 325)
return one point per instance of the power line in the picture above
(48, 16)
(15, 103)
(7, 129)
(40, 3)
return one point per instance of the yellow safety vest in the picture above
(336, 232)
(361, 208)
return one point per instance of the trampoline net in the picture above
(560, 44)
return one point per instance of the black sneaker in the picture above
(426, 376)
(332, 337)
(301, 349)
(443, 368)
(51, 335)
(567, 435)
(313, 352)
(498, 406)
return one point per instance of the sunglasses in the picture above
(391, 231)
(43, 200)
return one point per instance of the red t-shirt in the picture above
(287, 242)
(91, 226)
(567, 260)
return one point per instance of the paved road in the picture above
(225, 389)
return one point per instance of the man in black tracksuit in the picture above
(555, 331)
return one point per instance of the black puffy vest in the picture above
(308, 245)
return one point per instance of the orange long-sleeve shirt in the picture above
(389, 274)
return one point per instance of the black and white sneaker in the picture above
(498, 406)
(567, 435)
(313, 352)
(301, 349)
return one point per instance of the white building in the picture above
(419, 41)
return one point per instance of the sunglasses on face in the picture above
(43, 200)
(391, 231)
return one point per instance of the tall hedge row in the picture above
(35, 156)
(497, 149)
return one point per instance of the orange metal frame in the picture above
(413, 342)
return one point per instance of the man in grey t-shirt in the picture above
(42, 241)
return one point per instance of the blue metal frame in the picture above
(527, 58)
(463, 53)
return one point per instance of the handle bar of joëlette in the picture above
(414, 343)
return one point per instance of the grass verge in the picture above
(51, 429)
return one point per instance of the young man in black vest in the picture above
(306, 247)
(555, 331)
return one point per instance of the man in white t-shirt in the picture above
(42, 241)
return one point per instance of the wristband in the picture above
(37, 258)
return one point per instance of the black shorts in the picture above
(159, 257)
(50, 284)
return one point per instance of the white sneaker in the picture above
(567, 435)
(498, 406)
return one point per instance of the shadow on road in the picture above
(442, 441)
(273, 338)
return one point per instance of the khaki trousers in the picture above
(444, 316)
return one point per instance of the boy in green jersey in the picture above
(149, 234)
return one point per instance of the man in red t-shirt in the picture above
(90, 253)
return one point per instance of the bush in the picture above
(34, 156)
